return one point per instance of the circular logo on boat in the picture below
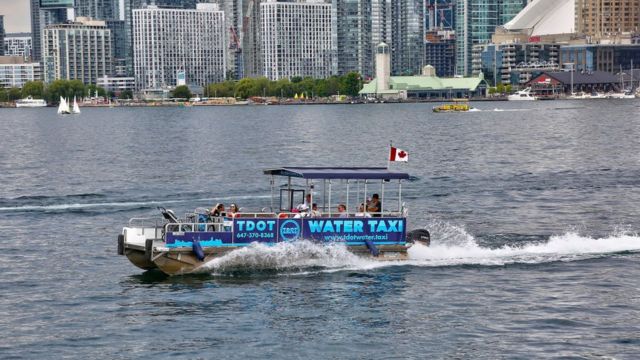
(289, 230)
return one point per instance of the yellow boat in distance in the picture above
(457, 106)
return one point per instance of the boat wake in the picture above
(113, 205)
(451, 247)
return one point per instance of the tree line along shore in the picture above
(246, 88)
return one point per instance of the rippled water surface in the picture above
(533, 209)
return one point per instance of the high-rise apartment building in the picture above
(98, 9)
(297, 39)
(18, 45)
(15, 71)
(79, 50)
(1, 35)
(407, 43)
(601, 18)
(353, 36)
(440, 51)
(476, 21)
(168, 41)
(252, 39)
(130, 5)
(381, 25)
(439, 15)
(118, 46)
(47, 12)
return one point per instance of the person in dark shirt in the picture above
(374, 206)
(217, 210)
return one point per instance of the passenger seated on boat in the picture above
(301, 211)
(342, 211)
(306, 204)
(314, 211)
(217, 211)
(375, 206)
(361, 212)
(233, 211)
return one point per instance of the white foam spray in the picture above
(451, 246)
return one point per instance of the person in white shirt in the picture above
(361, 212)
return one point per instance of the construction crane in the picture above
(235, 42)
(247, 17)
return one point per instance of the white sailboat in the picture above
(63, 108)
(76, 108)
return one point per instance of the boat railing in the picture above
(146, 222)
(197, 227)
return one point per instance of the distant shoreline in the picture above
(254, 103)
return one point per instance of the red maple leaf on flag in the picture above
(402, 154)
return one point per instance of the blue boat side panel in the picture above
(356, 231)
(206, 239)
(349, 231)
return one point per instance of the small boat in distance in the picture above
(30, 102)
(179, 246)
(621, 95)
(522, 95)
(63, 108)
(76, 108)
(456, 106)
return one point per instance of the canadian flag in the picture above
(396, 154)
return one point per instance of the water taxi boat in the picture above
(184, 245)
(458, 106)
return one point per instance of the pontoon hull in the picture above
(183, 261)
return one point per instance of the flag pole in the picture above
(389, 154)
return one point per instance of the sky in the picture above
(16, 15)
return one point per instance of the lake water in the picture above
(533, 208)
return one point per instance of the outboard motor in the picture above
(420, 236)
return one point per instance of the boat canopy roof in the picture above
(347, 173)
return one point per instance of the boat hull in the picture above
(184, 261)
(183, 248)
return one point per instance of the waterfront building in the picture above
(545, 21)
(79, 50)
(476, 21)
(172, 41)
(117, 84)
(600, 57)
(564, 82)
(15, 71)
(44, 13)
(440, 51)
(353, 36)
(605, 18)
(297, 39)
(18, 44)
(425, 86)
(514, 63)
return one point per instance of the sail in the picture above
(63, 108)
(76, 108)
